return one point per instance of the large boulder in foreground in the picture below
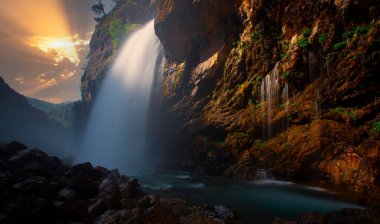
(37, 188)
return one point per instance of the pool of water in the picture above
(253, 202)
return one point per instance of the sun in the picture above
(59, 47)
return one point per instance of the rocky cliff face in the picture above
(323, 56)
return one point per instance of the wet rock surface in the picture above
(37, 188)
(343, 216)
(326, 53)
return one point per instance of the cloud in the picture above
(44, 44)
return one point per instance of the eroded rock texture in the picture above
(217, 54)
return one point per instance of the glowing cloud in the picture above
(59, 47)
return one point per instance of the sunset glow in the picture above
(44, 44)
(59, 47)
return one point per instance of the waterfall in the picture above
(269, 92)
(262, 174)
(312, 65)
(116, 135)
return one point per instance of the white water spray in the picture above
(116, 135)
(270, 93)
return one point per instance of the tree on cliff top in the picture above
(98, 9)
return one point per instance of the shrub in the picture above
(306, 32)
(302, 42)
(322, 38)
(358, 30)
(283, 55)
(284, 75)
(348, 34)
(346, 113)
(259, 144)
(256, 35)
(376, 126)
(339, 46)
(361, 29)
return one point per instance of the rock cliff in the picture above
(291, 86)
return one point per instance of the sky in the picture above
(44, 44)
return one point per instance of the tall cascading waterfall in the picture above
(116, 135)
(270, 93)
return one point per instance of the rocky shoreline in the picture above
(37, 188)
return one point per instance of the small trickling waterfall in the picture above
(116, 135)
(313, 72)
(262, 174)
(270, 93)
(285, 103)
(312, 66)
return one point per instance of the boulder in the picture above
(11, 149)
(29, 210)
(71, 210)
(109, 191)
(66, 194)
(310, 218)
(350, 216)
(224, 212)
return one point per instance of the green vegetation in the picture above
(322, 38)
(376, 126)
(250, 102)
(286, 144)
(293, 104)
(284, 75)
(346, 113)
(303, 42)
(62, 113)
(362, 29)
(306, 32)
(348, 34)
(220, 143)
(285, 48)
(339, 46)
(178, 74)
(256, 35)
(358, 30)
(117, 30)
(283, 55)
(259, 144)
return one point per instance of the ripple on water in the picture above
(272, 182)
(196, 185)
(182, 177)
(318, 189)
(158, 186)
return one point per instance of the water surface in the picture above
(253, 202)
